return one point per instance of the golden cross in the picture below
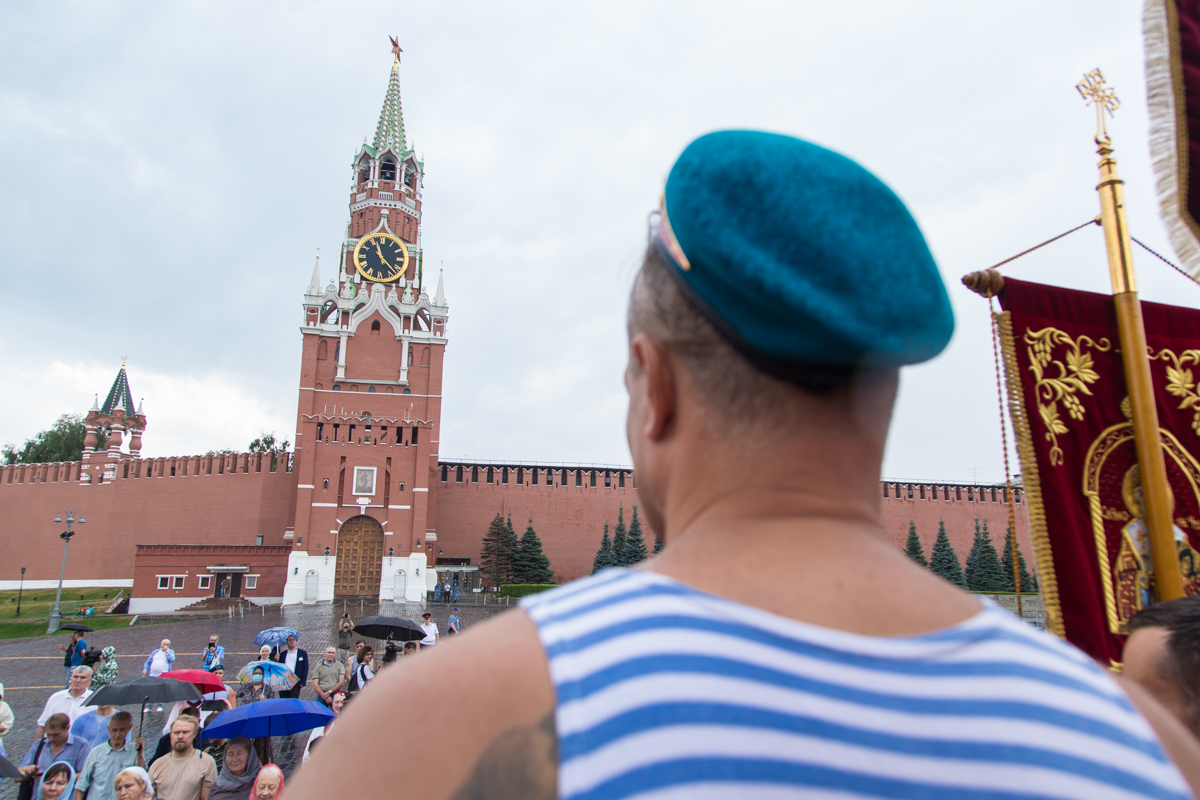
(1093, 90)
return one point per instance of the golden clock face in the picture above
(381, 257)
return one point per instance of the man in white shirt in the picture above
(69, 701)
(160, 660)
(431, 631)
(296, 661)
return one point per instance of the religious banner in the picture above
(1172, 37)
(1072, 420)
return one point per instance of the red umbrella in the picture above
(203, 680)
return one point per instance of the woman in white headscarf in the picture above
(133, 783)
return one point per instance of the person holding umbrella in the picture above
(74, 652)
(238, 772)
(107, 759)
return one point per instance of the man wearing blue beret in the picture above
(780, 646)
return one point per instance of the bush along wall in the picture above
(522, 589)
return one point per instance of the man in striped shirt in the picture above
(780, 646)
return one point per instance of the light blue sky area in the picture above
(168, 171)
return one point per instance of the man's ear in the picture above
(658, 381)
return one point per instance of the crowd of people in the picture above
(83, 750)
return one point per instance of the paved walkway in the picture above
(31, 669)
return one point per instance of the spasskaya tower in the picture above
(369, 415)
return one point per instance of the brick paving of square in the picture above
(31, 669)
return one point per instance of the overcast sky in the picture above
(168, 171)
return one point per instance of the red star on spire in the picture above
(396, 51)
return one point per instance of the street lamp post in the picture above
(20, 591)
(56, 614)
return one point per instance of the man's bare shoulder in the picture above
(470, 718)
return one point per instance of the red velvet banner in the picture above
(1172, 37)
(1070, 413)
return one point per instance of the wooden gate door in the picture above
(359, 558)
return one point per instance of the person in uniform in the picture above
(780, 645)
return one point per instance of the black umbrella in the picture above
(75, 626)
(9, 769)
(397, 628)
(141, 691)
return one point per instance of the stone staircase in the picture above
(215, 604)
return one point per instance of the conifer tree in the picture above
(1028, 584)
(604, 556)
(944, 561)
(912, 547)
(984, 573)
(620, 541)
(658, 544)
(496, 556)
(530, 563)
(635, 542)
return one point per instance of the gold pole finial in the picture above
(1093, 90)
(123, 358)
(1152, 466)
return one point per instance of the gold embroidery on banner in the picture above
(1073, 378)
(1043, 557)
(1179, 380)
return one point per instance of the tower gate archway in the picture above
(359, 558)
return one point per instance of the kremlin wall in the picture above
(364, 507)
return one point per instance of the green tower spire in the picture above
(390, 130)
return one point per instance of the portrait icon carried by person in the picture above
(364, 480)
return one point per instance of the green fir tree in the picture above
(658, 545)
(620, 541)
(604, 556)
(497, 551)
(944, 561)
(912, 547)
(635, 541)
(530, 563)
(984, 573)
(1028, 583)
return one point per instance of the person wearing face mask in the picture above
(238, 772)
(264, 653)
(269, 784)
(252, 692)
(134, 784)
(59, 782)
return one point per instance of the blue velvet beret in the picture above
(800, 256)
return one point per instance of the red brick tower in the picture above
(369, 412)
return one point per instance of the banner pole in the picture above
(1152, 465)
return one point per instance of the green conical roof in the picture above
(390, 130)
(119, 393)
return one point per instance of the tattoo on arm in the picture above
(521, 764)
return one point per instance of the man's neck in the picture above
(291, 649)
(56, 750)
(182, 753)
(74, 693)
(116, 744)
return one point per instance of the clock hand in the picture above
(384, 260)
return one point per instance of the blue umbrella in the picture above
(270, 718)
(275, 675)
(275, 636)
